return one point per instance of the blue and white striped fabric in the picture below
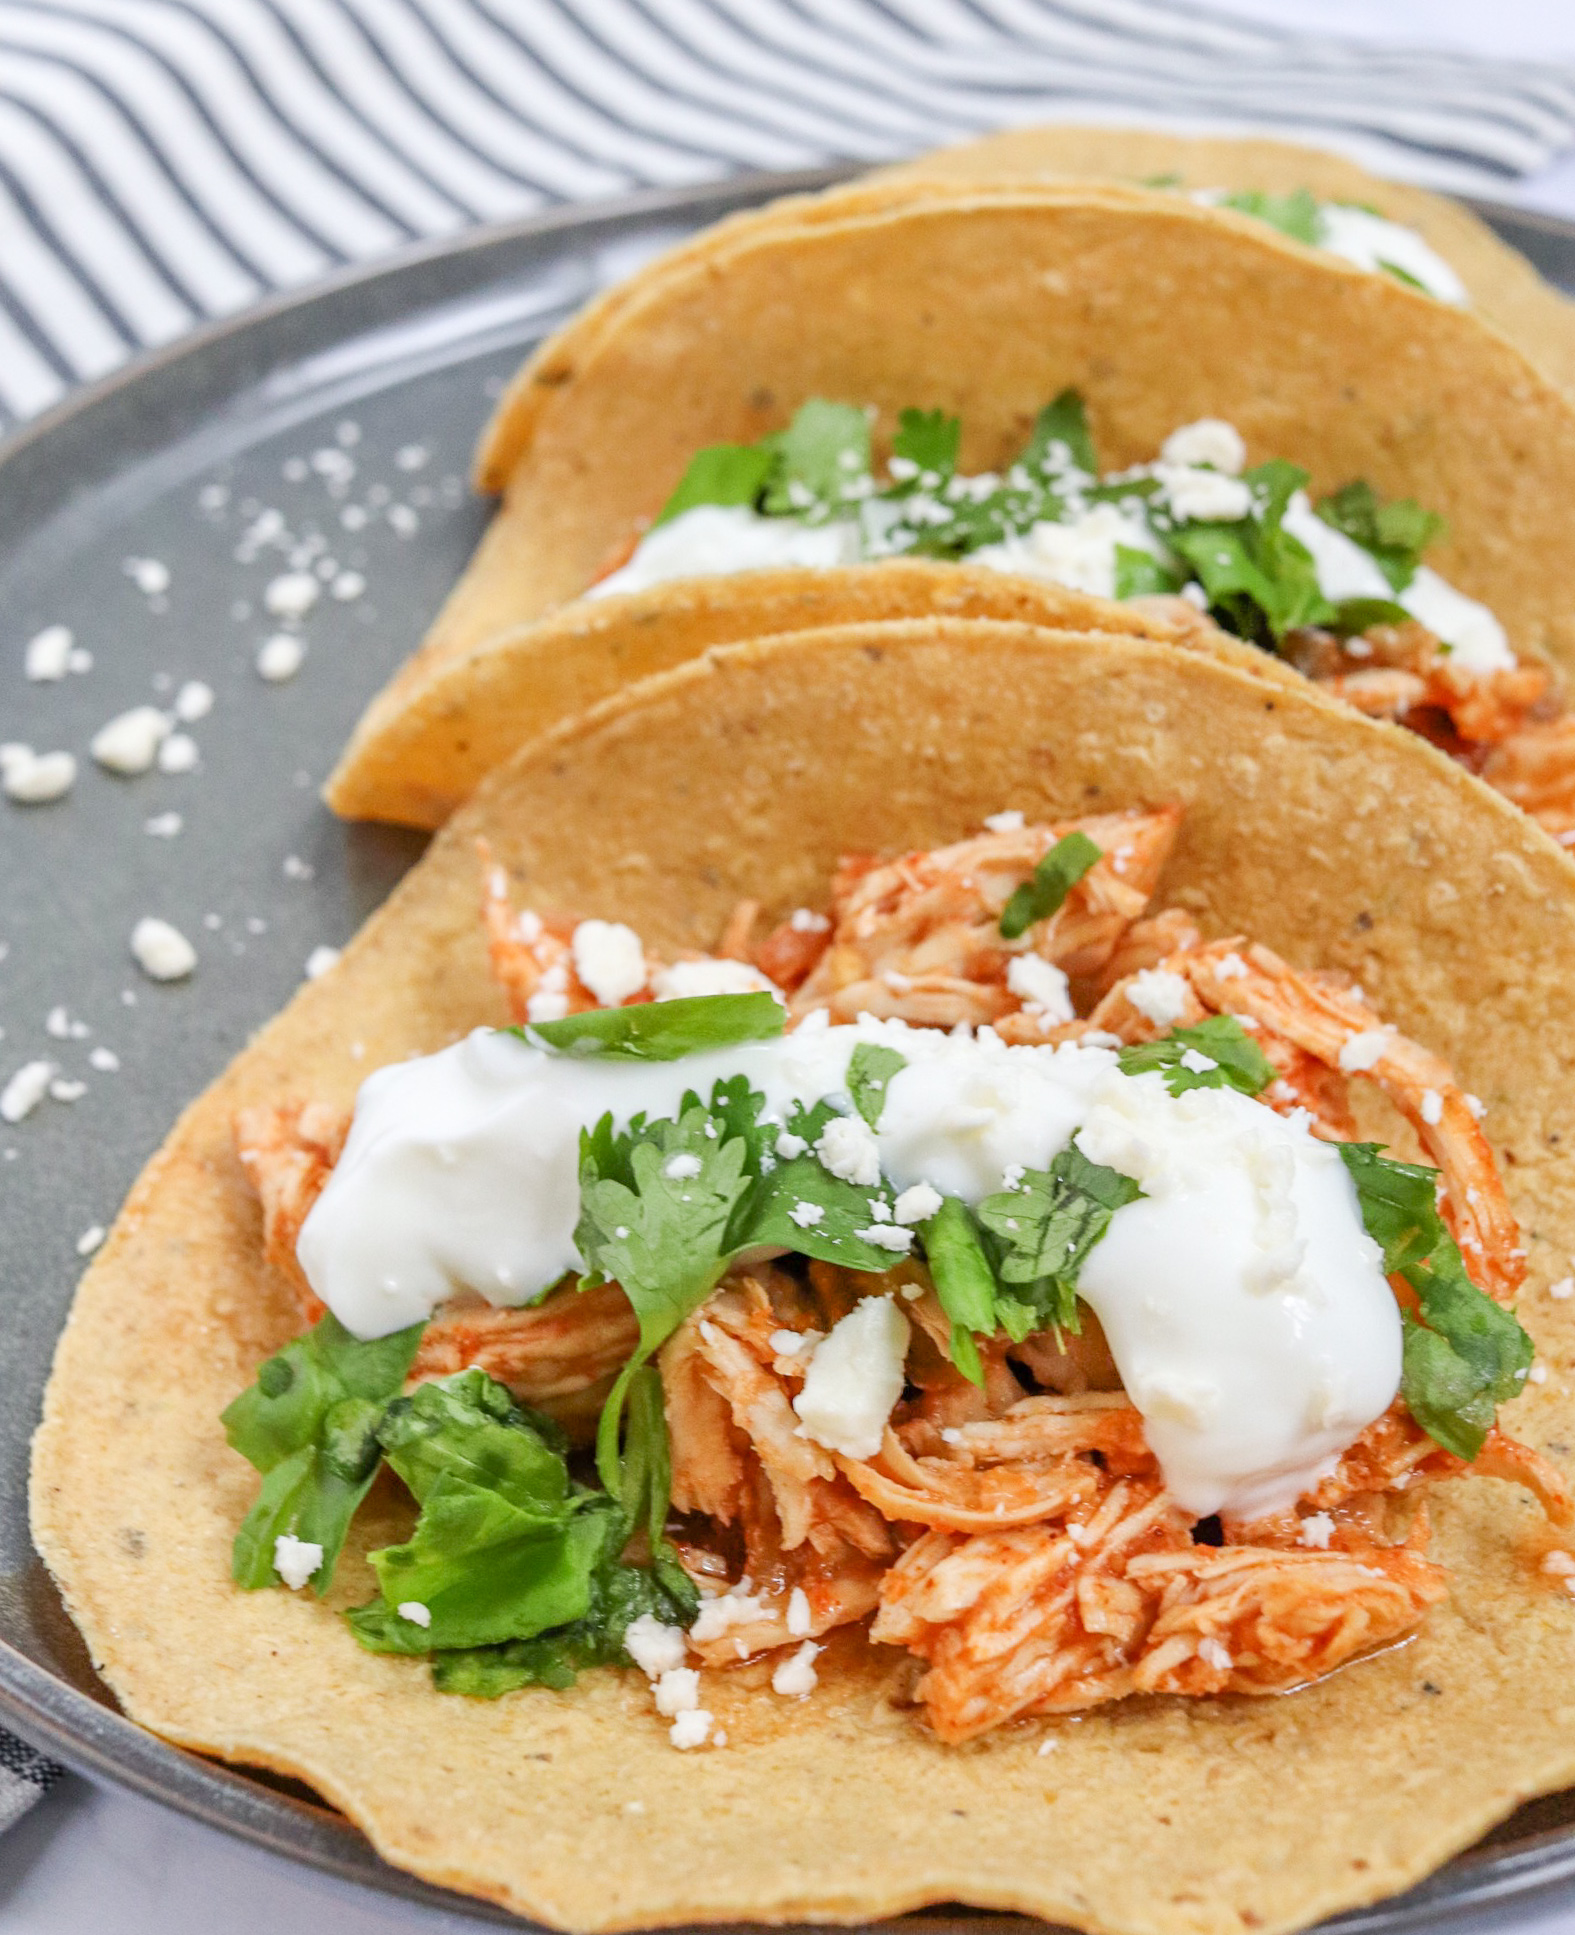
(167, 161)
(163, 162)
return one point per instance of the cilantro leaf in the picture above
(1044, 1230)
(1403, 275)
(1049, 884)
(1239, 1062)
(1464, 1355)
(309, 1424)
(657, 1226)
(1355, 615)
(1261, 581)
(870, 1067)
(928, 438)
(824, 449)
(964, 1281)
(1139, 574)
(1394, 535)
(1061, 435)
(722, 473)
(803, 1184)
(1296, 214)
(662, 1031)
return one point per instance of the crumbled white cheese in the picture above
(1041, 987)
(788, 1145)
(163, 826)
(320, 960)
(57, 1023)
(291, 595)
(415, 1612)
(279, 658)
(681, 1168)
(1538, 1374)
(887, 1236)
(162, 952)
(691, 1729)
(1203, 496)
(1158, 995)
(347, 585)
(855, 1378)
(193, 701)
(806, 1215)
(25, 1090)
(655, 1647)
(1196, 1062)
(90, 1239)
(1563, 1290)
(49, 654)
(1477, 1106)
(67, 1091)
(130, 742)
(149, 575)
(33, 779)
(1364, 1050)
(1079, 553)
(609, 960)
(1212, 1653)
(1210, 441)
(796, 1677)
(719, 1615)
(677, 1691)
(1010, 821)
(800, 1620)
(1559, 1564)
(848, 1149)
(178, 754)
(804, 920)
(105, 1060)
(1432, 1106)
(1230, 967)
(295, 868)
(295, 1560)
(688, 978)
(1316, 1530)
(547, 1004)
(917, 1204)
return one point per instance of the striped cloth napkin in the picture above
(163, 164)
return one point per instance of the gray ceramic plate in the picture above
(334, 430)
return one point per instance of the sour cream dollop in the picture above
(1245, 1305)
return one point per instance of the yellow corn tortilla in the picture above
(1341, 842)
(986, 299)
(1504, 287)
(448, 717)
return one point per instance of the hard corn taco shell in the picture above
(449, 717)
(1504, 287)
(749, 771)
(986, 299)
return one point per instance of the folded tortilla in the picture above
(985, 300)
(749, 770)
(1505, 288)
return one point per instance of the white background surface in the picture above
(98, 1862)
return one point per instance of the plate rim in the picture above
(93, 1737)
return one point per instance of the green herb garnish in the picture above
(1049, 884)
(1297, 214)
(1044, 1229)
(964, 1280)
(1238, 1061)
(870, 1067)
(662, 1031)
(1464, 1354)
(1394, 534)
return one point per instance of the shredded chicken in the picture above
(1015, 1535)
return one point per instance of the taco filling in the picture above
(1354, 232)
(990, 1263)
(1337, 588)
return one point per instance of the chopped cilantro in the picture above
(662, 1031)
(1394, 534)
(1464, 1354)
(1044, 1230)
(870, 1067)
(964, 1281)
(822, 451)
(1139, 574)
(1403, 275)
(1297, 214)
(1261, 581)
(928, 438)
(309, 1424)
(1061, 426)
(1048, 885)
(723, 473)
(1239, 1062)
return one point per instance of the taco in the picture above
(1394, 541)
(938, 1535)
(1319, 199)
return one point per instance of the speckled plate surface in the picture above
(328, 435)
